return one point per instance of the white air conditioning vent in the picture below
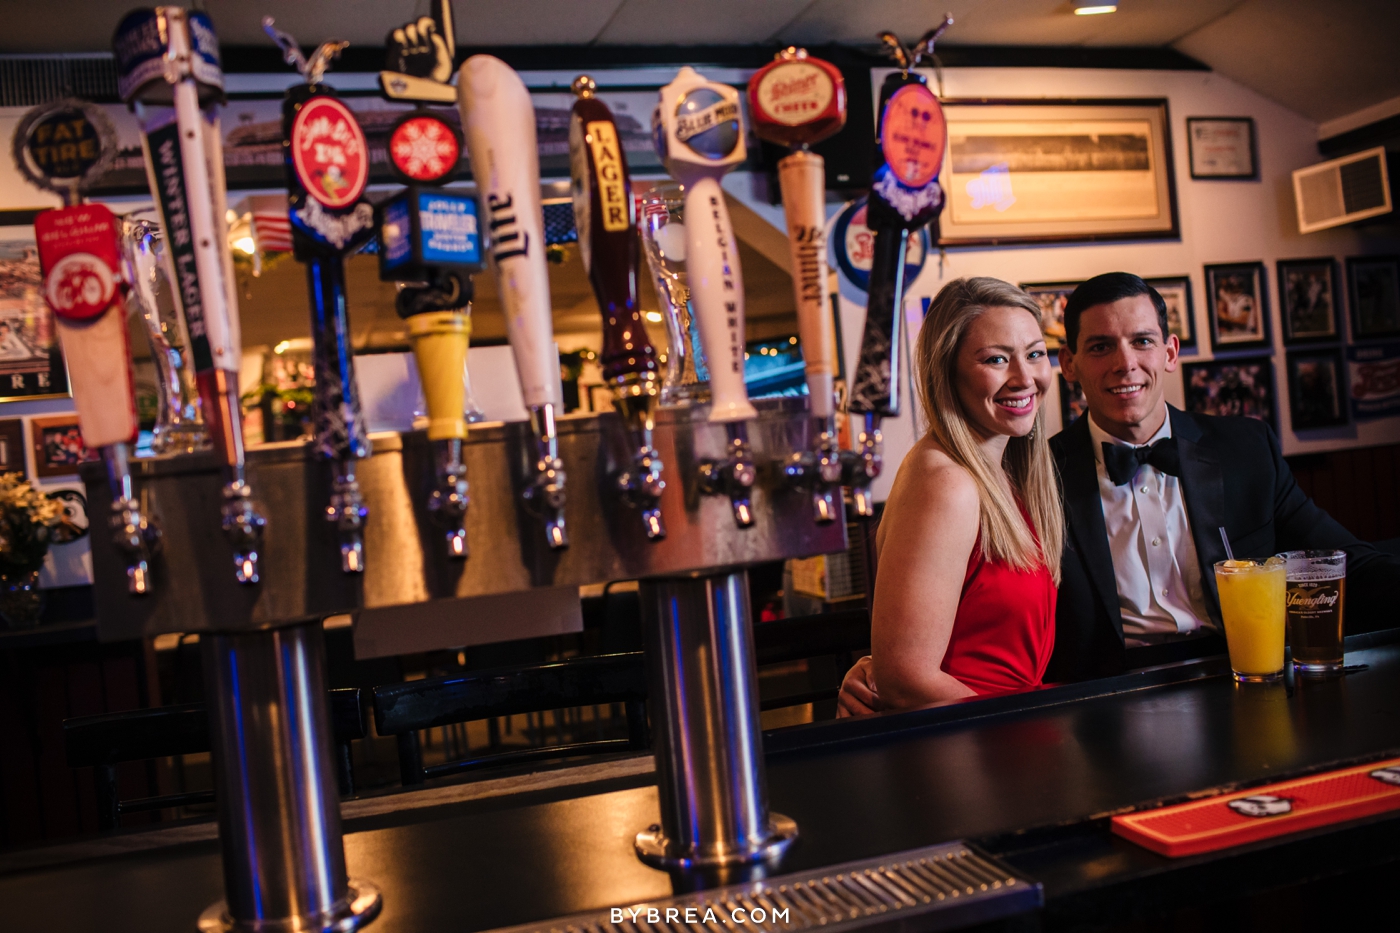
(1342, 191)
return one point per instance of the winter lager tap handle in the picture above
(499, 124)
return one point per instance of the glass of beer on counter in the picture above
(1317, 595)
(1252, 606)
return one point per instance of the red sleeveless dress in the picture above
(1004, 631)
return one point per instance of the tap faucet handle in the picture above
(861, 466)
(733, 475)
(544, 493)
(450, 500)
(347, 510)
(243, 527)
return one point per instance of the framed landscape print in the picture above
(1307, 294)
(1239, 309)
(31, 362)
(1374, 284)
(1181, 310)
(58, 445)
(1051, 296)
(1038, 171)
(1222, 147)
(12, 446)
(1316, 389)
(1231, 387)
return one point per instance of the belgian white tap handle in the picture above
(717, 292)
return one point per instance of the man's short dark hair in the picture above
(1106, 289)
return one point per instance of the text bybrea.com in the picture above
(693, 915)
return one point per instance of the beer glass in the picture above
(662, 219)
(1252, 607)
(1317, 594)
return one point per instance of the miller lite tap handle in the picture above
(499, 123)
(700, 137)
(420, 55)
(604, 215)
(798, 100)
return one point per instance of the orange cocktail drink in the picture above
(1252, 605)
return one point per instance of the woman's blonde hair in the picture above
(1027, 461)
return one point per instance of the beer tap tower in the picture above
(700, 136)
(499, 123)
(904, 196)
(604, 215)
(798, 100)
(327, 161)
(169, 73)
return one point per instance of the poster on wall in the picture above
(1239, 309)
(1231, 387)
(1051, 296)
(1316, 390)
(1181, 312)
(1042, 171)
(31, 362)
(1373, 381)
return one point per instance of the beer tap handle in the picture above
(604, 215)
(498, 120)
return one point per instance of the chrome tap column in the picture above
(707, 737)
(279, 810)
(904, 196)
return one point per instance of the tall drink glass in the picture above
(1317, 595)
(1252, 606)
(661, 215)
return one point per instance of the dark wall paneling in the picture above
(1357, 487)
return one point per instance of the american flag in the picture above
(272, 230)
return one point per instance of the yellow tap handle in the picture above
(440, 341)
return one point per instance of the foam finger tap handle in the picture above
(700, 135)
(797, 100)
(498, 121)
(604, 215)
(169, 73)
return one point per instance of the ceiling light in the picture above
(1093, 7)
(653, 316)
(245, 245)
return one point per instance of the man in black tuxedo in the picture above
(1146, 489)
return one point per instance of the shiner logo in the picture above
(739, 916)
(1261, 805)
(795, 92)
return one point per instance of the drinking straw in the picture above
(1225, 538)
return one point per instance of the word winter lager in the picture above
(1316, 602)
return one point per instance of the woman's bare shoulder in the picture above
(929, 477)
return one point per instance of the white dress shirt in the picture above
(1154, 557)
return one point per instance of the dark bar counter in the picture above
(1030, 778)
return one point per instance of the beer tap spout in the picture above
(347, 510)
(640, 484)
(734, 475)
(137, 536)
(861, 466)
(449, 501)
(243, 527)
(545, 491)
(819, 470)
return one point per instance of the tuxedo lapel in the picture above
(1203, 487)
(1084, 511)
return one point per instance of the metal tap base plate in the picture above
(941, 887)
(361, 905)
(659, 851)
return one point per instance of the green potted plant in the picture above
(29, 521)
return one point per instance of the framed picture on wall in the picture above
(1051, 296)
(1072, 402)
(1231, 387)
(1181, 310)
(1374, 283)
(1042, 171)
(12, 446)
(58, 445)
(1307, 294)
(1222, 147)
(31, 362)
(1316, 389)
(1239, 309)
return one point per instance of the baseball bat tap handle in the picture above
(734, 474)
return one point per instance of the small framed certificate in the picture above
(1222, 147)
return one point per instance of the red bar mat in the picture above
(1265, 812)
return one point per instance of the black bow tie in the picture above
(1122, 463)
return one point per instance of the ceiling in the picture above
(1322, 58)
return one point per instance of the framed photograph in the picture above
(1072, 403)
(1231, 387)
(58, 445)
(1181, 310)
(1373, 380)
(1316, 389)
(1222, 147)
(1051, 296)
(12, 446)
(1239, 308)
(1307, 292)
(1374, 283)
(1043, 171)
(31, 362)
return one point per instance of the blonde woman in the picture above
(969, 545)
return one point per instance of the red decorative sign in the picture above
(424, 148)
(913, 135)
(797, 100)
(79, 257)
(329, 152)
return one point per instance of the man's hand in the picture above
(858, 694)
(418, 49)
